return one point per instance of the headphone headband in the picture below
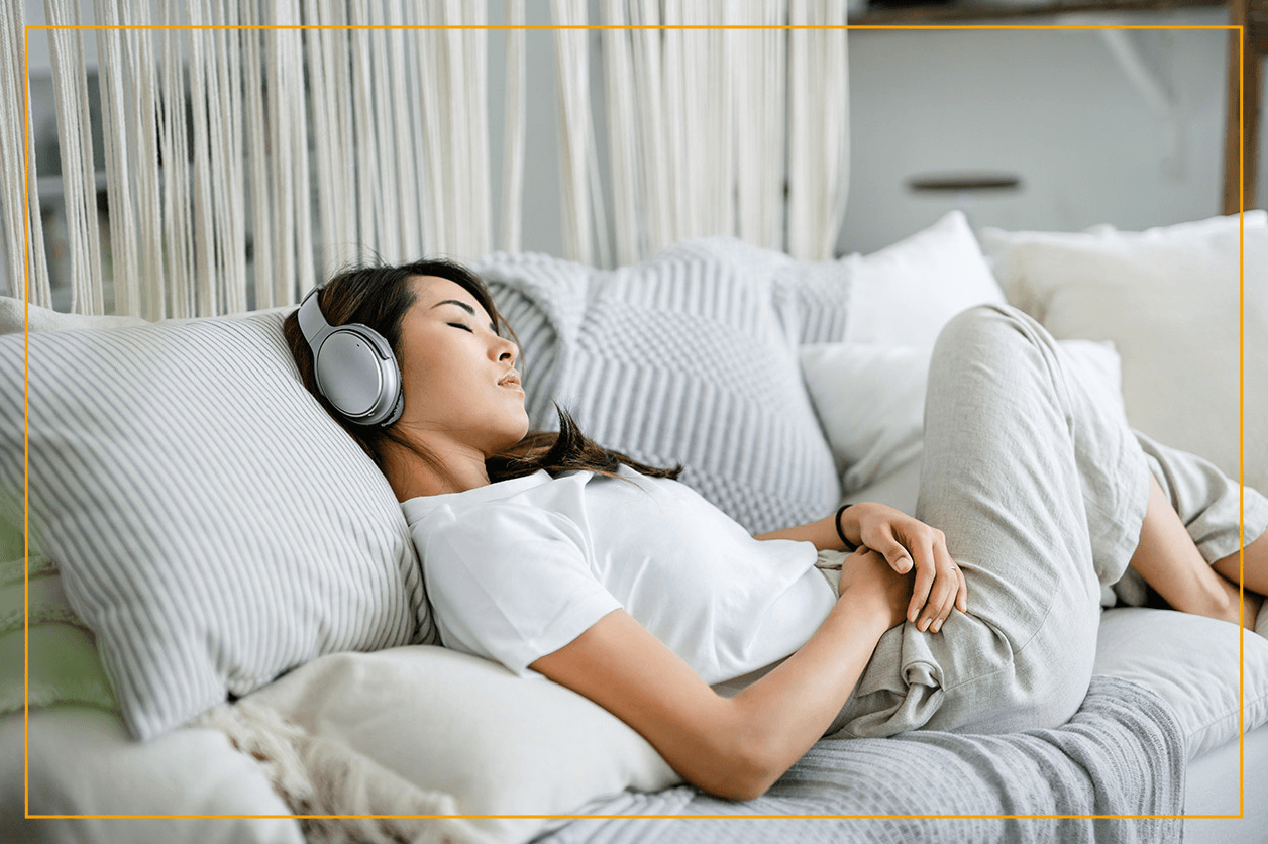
(312, 321)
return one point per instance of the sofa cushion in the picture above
(1177, 301)
(1212, 673)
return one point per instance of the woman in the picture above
(551, 554)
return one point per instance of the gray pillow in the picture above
(681, 358)
(214, 527)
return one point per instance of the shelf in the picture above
(967, 13)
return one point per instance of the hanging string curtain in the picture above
(514, 129)
(243, 165)
(18, 216)
(706, 128)
(818, 131)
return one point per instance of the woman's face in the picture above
(454, 371)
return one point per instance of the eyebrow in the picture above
(466, 308)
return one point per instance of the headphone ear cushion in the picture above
(357, 372)
(397, 408)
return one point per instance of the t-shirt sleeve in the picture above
(509, 582)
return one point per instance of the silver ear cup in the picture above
(354, 367)
(358, 374)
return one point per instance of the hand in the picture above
(867, 575)
(905, 543)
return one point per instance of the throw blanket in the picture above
(1121, 754)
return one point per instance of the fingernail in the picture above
(936, 626)
(924, 625)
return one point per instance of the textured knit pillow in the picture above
(214, 527)
(684, 359)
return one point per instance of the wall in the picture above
(1053, 107)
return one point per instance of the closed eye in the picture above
(460, 325)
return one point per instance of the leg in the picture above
(1256, 566)
(1217, 515)
(1041, 492)
(1169, 562)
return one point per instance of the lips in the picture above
(511, 380)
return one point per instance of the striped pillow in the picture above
(684, 358)
(213, 525)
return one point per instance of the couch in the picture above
(225, 616)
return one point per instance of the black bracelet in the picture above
(849, 546)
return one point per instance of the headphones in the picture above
(355, 368)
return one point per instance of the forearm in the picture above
(786, 711)
(822, 533)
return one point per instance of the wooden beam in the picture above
(1241, 125)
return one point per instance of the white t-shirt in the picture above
(518, 569)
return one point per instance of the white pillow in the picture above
(462, 726)
(83, 762)
(1195, 664)
(1169, 299)
(904, 293)
(213, 526)
(871, 402)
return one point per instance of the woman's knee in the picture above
(997, 342)
(985, 324)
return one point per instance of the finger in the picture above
(946, 588)
(898, 558)
(949, 585)
(962, 595)
(925, 576)
(941, 599)
(930, 588)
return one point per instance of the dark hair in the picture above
(379, 296)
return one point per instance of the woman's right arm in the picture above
(735, 747)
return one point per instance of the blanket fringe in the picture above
(319, 777)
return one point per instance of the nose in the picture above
(506, 349)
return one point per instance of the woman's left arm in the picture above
(903, 541)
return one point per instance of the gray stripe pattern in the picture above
(213, 526)
(683, 358)
(1121, 754)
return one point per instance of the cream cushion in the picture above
(466, 727)
(1170, 298)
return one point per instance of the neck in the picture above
(458, 469)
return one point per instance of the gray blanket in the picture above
(1121, 754)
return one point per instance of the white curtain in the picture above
(243, 165)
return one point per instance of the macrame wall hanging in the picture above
(244, 156)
